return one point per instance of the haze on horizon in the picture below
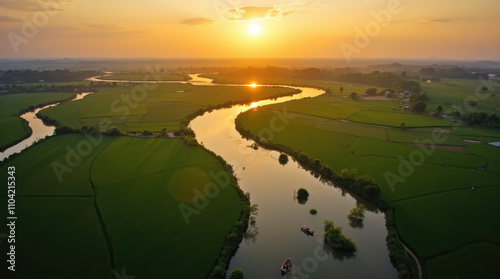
(409, 29)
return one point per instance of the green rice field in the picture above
(152, 106)
(123, 193)
(445, 190)
(13, 127)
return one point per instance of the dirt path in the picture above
(414, 257)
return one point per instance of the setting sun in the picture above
(253, 85)
(254, 29)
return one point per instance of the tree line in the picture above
(382, 79)
(33, 76)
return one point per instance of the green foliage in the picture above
(114, 132)
(283, 159)
(439, 111)
(371, 91)
(34, 76)
(147, 133)
(313, 211)
(334, 238)
(302, 193)
(357, 213)
(237, 273)
(418, 107)
(354, 95)
(219, 272)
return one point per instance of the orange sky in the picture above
(219, 29)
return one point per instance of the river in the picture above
(275, 233)
(38, 128)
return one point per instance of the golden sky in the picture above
(219, 29)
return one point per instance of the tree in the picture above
(341, 90)
(333, 237)
(429, 71)
(484, 89)
(438, 111)
(113, 132)
(283, 159)
(354, 95)
(328, 91)
(147, 133)
(357, 213)
(371, 91)
(302, 193)
(403, 126)
(418, 107)
(237, 273)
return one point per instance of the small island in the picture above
(283, 159)
(302, 195)
(357, 214)
(335, 239)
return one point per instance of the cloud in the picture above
(250, 12)
(9, 19)
(256, 12)
(197, 21)
(103, 27)
(95, 28)
(432, 20)
(34, 5)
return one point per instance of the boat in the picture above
(286, 266)
(306, 230)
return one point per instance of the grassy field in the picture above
(164, 106)
(13, 126)
(437, 211)
(451, 93)
(146, 77)
(127, 190)
(334, 86)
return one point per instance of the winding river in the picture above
(274, 234)
(39, 130)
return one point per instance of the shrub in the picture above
(283, 159)
(147, 133)
(334, 238)
(218, 272)
(418, 107)
(302, 193)
(236, 274)
(313, 211)
(357, 213)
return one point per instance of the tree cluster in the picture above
(364, 186)
(336, 239)
(382, 79)
(450, 72)
(33, 76)
(482, 119)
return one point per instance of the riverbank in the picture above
(431, 189)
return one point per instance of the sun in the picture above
(254, 29)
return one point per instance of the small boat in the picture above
(306, 230)
(286, 266)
